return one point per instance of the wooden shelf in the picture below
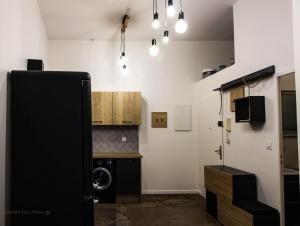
(264, 73)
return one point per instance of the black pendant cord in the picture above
(166, 19)
(154, 7)
(249, 86)
(154, 11)
(124, 42)
(122, 47)
(180, 5)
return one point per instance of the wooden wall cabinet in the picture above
(127, 108)
(102, 108)
(116, 108)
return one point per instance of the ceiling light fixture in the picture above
(166, 36)
(123, 58)
(124, 69)
(155, 23)
(181, 26)
(171, 11)
(154, 50)
(166, 32)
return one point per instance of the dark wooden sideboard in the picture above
(231, 196)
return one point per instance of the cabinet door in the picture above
(102, 108)
(127, 108)
(128, 176)
(231, 215)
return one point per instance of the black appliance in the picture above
(104, 180)
(51, 149)
(250, 109)
(35, 65)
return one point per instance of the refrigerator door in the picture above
(88, 154)
(89, 211)
(48, 149)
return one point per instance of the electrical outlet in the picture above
(269, 145)
(124, 139)
(220, 123)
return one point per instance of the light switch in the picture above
(124, 139)
(159, 119)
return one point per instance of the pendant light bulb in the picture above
(123, 59)
(171, 11)
(166, 36)
(181, 26)
(155, 23)
(166, 39)
(124, 69)
(154, 50)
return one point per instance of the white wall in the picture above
(169, 163)
(296, 29)
(22, 36)
(263, 37)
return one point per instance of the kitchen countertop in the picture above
(116, 155)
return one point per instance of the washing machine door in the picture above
(102, 179)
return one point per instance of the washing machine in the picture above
(104, 181)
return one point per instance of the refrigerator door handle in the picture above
(89, 211)
(87, 138)
(88, 197)
(87, 153)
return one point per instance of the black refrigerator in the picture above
(50, 153)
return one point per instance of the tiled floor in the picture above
(156, 210)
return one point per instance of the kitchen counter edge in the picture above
(117, 155)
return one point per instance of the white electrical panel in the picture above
(183, 117)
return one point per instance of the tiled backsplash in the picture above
(109, 138)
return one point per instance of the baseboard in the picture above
(202, 193)
(171, 192)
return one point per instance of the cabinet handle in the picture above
(127, 122)
(98, 121)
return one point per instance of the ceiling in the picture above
(209, 20)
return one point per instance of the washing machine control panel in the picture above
(102, 162)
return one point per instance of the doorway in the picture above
(289, 149)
